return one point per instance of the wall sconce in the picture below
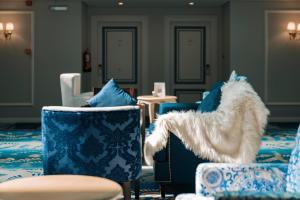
(293, 30)
(8, 30)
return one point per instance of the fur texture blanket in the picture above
(231, 134)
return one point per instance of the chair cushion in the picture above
(111, 95)
(60, 187)
(293, 175)
(212, 100)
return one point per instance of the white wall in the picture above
(57, 39)
(247, 51)
(61, 37)
(155, 35)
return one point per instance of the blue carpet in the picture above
(21, 156)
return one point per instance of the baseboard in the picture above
(21, 120)
(284, 119)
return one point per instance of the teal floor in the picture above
(21, 155)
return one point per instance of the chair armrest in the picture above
(167, 107)
(162, 156)
(212, 178)
(81, 99)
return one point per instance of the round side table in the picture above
(60, 187)
(152, 100)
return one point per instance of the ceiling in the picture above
(155, 3)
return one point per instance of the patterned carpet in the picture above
(21, 156)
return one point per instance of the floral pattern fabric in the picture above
(293, 175)
(105, 144)
(212, 178)
(254, 180)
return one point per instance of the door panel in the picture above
(189, 54)
(120, 54)
(192, 55)
(188, 96)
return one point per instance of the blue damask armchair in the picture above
(263, 180)
(102, 142)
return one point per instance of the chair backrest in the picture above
(70, 85)
(102, 141)
(293, 176)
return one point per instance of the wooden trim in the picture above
(177, 92)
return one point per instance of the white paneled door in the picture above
(191, 55)
(119, 53)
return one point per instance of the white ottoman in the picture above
(60, 187)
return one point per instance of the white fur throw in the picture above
(231, 134)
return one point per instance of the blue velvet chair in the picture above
(175, 166)
(253, 181)
(103, 142)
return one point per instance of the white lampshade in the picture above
(291, 26)
(1, 26)
(9, 26)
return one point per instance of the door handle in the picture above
(207, 69)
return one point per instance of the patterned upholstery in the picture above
(260, 180)
(101, 142)
(214, 177)
(293, 175)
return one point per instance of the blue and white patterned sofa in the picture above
(257, 179)
(102, 141)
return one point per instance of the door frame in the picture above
(169, 56)
(142, 82)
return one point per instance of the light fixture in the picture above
(191, 3)
(59, 8)
(120, 3)
(293, 30)
(7, 30)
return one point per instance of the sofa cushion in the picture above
(293, 175)
(111, 95)
(212, 100)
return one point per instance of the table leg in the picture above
(151, 112)
(143, 126)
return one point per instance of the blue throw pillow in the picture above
(206, 93)
(212, 100)
(111, 95)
